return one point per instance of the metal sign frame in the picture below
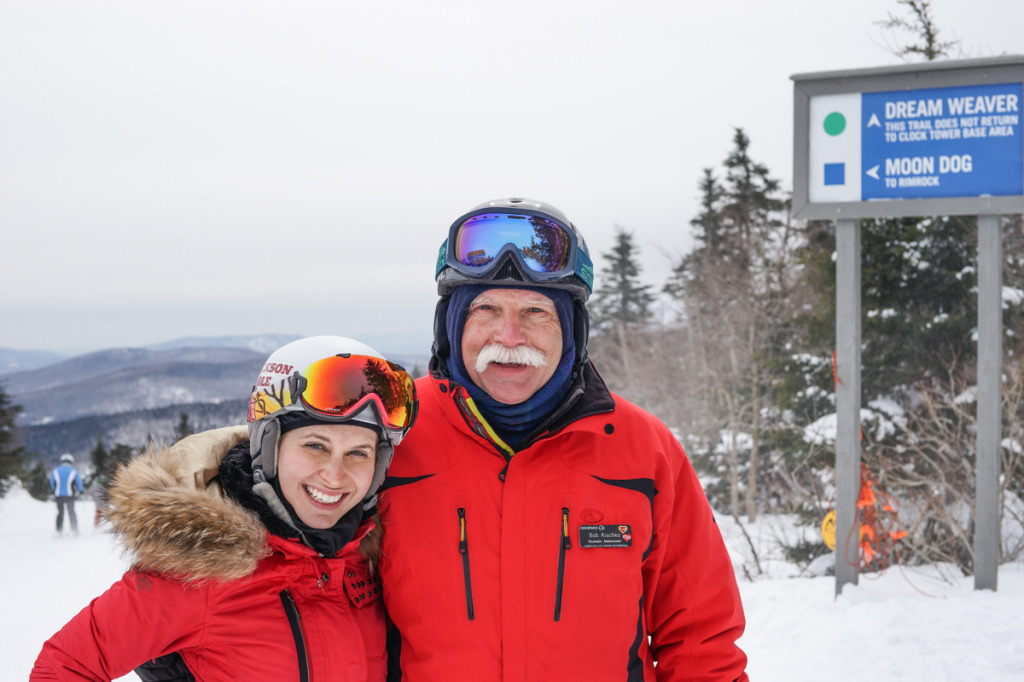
(947, 74)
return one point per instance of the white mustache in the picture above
(516, 355)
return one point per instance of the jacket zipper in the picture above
(477, 426)
(464, 551)
(566, 544)
(292, 611)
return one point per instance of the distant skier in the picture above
(63, 481)
(99, 497)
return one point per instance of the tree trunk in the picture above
(755, 431)
(627, 375)
(732, 458)
(755, 445)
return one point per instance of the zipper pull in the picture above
(463, 544)
(566, 543)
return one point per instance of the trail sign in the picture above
(936, 139)
(942, 138)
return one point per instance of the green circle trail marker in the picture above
(835, 123)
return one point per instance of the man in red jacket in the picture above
(538, 527)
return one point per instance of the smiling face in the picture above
(325, 470)
(501, 324)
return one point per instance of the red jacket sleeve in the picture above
(693, 603)
(140, 617)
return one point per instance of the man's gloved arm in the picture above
(195, 460)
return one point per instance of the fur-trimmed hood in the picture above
(192, 512)
(172, 527)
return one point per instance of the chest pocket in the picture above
(362, 588)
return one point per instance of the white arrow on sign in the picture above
(873, 121)
(873, 172)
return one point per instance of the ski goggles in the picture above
(547, 249)
(338, 387)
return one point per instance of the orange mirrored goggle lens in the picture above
(338, 384)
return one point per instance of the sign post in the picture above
(848, 342)
(942, 138)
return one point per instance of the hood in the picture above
(175, 528)
(442, 347)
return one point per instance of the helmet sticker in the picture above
(276, 388)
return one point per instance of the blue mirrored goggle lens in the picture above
(545, 246)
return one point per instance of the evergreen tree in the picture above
(706, 233)
(621, 299)
(102, 467)
(751, 211)
(12, 455)
(183, 429)
(919, 299)
(37, 482)
(919, 306)
(735, 290)
(620, 315)
(105, 462)
(120, 454)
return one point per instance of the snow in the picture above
(886, 314)
(903, 625)
(885, 417)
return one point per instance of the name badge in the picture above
(606, 536)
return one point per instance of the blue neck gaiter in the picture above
(512, 422)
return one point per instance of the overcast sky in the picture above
(174, 168)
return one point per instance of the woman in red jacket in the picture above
(268, 572)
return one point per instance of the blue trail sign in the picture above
(876, 142)
(948, 142)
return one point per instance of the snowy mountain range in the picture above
(13, 360)
(131, 379)
(132, 396)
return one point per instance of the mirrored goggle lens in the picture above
(545, 246)
(336, 386)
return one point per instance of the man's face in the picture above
(511, 343)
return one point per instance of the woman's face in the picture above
(325, 470)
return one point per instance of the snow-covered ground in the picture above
(904, 625)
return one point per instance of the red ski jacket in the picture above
(590, 554)
(296, 616)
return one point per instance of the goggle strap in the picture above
(585, 268)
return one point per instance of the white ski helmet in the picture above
(329, 379)
(67, 458)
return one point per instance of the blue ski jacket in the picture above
(63, 478)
